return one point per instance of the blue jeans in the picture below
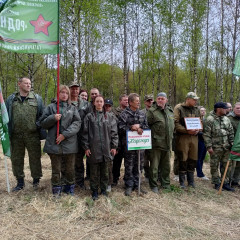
(201, 156)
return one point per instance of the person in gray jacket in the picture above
(63, 146)
(100, 141)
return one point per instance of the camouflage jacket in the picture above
(31, 110)
(218, 132)
(161, 123)
(82, 106)
(128, 118)
(180, 112)
(235, 120)
(117, 111)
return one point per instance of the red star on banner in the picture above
(41, 25)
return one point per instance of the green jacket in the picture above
(100, 136)
(161, 123)
(180, 112)
(30, 112)
(70, 124)
(218, 132)
(235, 120)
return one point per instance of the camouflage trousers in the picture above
(68, 170)
(159, 160)
(110, 175)
(131, 174)
(219, 156)
(98, 176)
(31, 142)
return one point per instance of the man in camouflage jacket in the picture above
(131, 119)
(218, 136)
(24, 110)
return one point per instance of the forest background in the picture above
(142, 46)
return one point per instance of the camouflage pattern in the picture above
(68, 170)
(117, 111)
(131, 174)
(23, 116)
(235, 120)
(186, 144)
(218, 134)
(98, 176)
(31, 142)
(160, 159)
(126, 120)
(219, 156)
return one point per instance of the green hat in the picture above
(148, 96)
(192, 95)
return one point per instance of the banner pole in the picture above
(139, 172)
(6, 170)
(58, 70)
(223, 178)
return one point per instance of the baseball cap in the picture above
(148, 96)
(192, 95)
(221, 105)
(108, 101)
(74, 84)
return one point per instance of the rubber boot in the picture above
(94, 195)
(56, 190)
(182, 180)
(190, 179)
(36, 183)
(71, 189)
(20, 185)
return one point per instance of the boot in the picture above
(182, 180)
(128, 191)
(36, 183)
(56, 190)
(71, 190)
(95, 195)
(190, 179)
(20, 185)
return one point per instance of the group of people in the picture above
(95, 129)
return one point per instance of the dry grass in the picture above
(190, 214)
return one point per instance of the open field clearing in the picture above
(190, 214)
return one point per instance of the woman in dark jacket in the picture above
(100, 141)
(62, 148)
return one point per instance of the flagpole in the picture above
(58, 70)
(6, 170)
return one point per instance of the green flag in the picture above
(3, 126)
(235, 151)
(29, 26)
(236, 69)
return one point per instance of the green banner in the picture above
(236, 69)
(3, 126)
(29, 26)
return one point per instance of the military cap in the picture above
(192, 95)
(148, 96)
(73, 84)
(221, 105)
(108, 101)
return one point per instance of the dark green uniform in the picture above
(23, 115)
(235, 120)
(100, 136)
(161, 123)
(218, 134)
